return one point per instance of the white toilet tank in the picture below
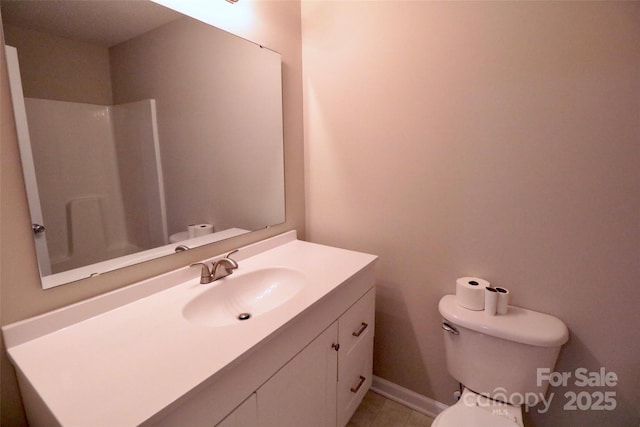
(499, 356)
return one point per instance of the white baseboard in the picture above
(408, 398)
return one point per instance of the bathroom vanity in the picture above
(170, 351)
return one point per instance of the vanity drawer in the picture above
(355, 356)
(355, 378)
(357, 324)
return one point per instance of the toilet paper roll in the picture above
(503, 300)
(490, 301)
(470, 292)
(196, 230)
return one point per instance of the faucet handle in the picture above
(235, 263)
(231, 253)
(205, 274)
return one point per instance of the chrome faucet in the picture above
(221, 268)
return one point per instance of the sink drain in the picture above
(244, 316)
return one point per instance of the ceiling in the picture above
(100, 22)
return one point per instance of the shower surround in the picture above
(118, 208)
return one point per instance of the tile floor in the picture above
(378, 411)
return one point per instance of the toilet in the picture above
(178, 237)
(496, 361)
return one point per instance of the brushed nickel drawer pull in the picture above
(361, 330)
(356, 388)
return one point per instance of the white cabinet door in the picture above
(303, 392)
(245, 415)
(355, 363)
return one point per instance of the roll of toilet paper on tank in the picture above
(503, 300)
(470, 292)
(490, 301)
(196, 230)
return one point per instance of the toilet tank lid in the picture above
(518, 325)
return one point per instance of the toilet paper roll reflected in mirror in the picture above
(470, 292)
(490, 301)
(503, 300)
(196, 230)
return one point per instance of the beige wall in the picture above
(274, 24)
(49, 67)
(217, 95)
(495, 139)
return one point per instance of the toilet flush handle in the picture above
(450, 328)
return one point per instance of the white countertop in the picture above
(120, 367)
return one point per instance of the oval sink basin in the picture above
(238, 298)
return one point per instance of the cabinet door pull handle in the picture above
(356, 388)
(361, 330)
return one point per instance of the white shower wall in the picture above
(140, 170)
(86, 219)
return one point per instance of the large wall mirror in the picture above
(141, 130)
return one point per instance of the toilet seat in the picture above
(476, 410)
(470, 416)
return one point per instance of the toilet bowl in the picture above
(474, 410)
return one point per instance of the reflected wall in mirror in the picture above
(136, 122)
